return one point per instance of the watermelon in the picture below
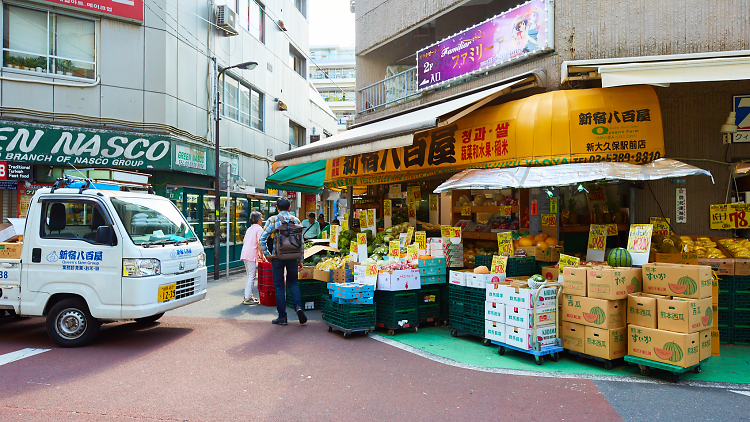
(677, 288)
(663, 354)
(596, 316)
(692, 286)
(619, 257)
(708, 318)
(676, 351)
(634, 286)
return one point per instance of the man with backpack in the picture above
(289, 248)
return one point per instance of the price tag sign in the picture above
(661, 225)
(409, 234)
(362, 239)
(362, 219)
(394, 190)
(605, 209)
(412, 251)
(354, 249)
(345, 223)
(371, 270)
(387, 208)
(549, 220)
(505, 243)
(325, 235)
(567, 261)
(466, 211)
(505, 211)
(445, 231)
(335, 236)
(553, 205)
(499, 264)
(612, 230)
(596, 193)
(433, 202)
(371, 217)
(414, 192)
(565, 214)
(412, 207)
(597, 238)
(533, 207)
(421, 239)
(394, 248)
(455, 232)
(639, 242)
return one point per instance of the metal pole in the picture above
(229, 209)
(217, 192)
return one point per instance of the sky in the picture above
(331, 22)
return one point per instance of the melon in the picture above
(539, 238)
(676, 351)
(663, 354)
(678, 288)
(691, 285)
(596, 316)
(708, 318)
(634, 285)
(619, 257)
(479, 200)
(551, 241)
(542, 245)
(481, 270)
(525, 241)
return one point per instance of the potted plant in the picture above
(67, 66)
(40, 64)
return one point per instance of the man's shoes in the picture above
(301, 315)
(281, 321)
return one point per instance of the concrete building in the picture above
(333, 73)
(113, 84)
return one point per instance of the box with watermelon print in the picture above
(667, 347)
(690, 281)
(599, 313)
(684, 315)
(613, 283)
(605, 344)
(573, 337)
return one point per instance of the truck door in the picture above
(67, 258)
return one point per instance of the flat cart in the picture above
(646, 365)
(391, 329)
(537, 350)
(608, 364)
(349, 331)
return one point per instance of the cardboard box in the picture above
(574, 280)
(715, 342)
(606, 344)
(11, 232)
(674, 258)
(524, 318)
(583, 310)
(338, 275)
(667, 347)
(722, 266)
(551, 254)
(494, 331)
(642, 309)
(306, 273)
(613, 283)
(397, 280)
(573, 337)
(11, 250)
(322, 275)
(495, 293)
(741, 267)
(480, 280)
(494, 311)
(522, 297)
(684, 315)
(705, 339)
(458, 277)
(691, 281)
(550, 273)
(521, 337)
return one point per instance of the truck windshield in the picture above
(150, 221)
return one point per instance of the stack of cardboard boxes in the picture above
(671, 321)
(509, 314)
(441, 247)
(593, 309)
(11, 236)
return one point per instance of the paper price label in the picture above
(387, 208)
(334, 235)
(371, 270)
(412, 251)
(362, 219)
(455, 232)
(414, 192)
(325, 235)
(505, 211)
(505, 243)
(412, 207)
(567, 261)
(499, 264)
(661, 225)
(597, 237)
(394, 248)
(362, 238)
(421, 239)
(445, 231)
(345, 223)
(611, 229)
(553, 205)
(549, 220)
(466, 211)
(533, 207)
(565, 214)
(639, 238)
(409, 234)
(433, 202)
(354, 248)
(371, 217)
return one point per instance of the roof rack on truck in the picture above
(104, 179)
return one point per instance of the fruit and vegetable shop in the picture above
(501, 224)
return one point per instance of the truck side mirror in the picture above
(105, 235)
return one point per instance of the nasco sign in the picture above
(61, 145)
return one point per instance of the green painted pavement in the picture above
(732, 366)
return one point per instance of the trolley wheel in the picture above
(391, 332)
(608, 365)
(415, 330)
(367, 332)
(445, 322)
(555, 357)
(346, 335)
(645, 370)
(539, 360)
(454, 333)
(674, 377)
(486, 342)
(697, 369)
(330, 329)
(501, 350)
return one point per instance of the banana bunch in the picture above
(704, 247)
(739, 248)
(334, 263)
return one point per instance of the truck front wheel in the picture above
(70, 324)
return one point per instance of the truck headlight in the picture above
(140, 267)
(201, 260)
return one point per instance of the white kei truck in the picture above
(96, 252)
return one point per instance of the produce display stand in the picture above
(537, 350)
(646, 365)
(608, 364)
(349, 331)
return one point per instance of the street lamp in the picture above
(217, 192)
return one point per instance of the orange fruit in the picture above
(544, 236)
(539, 238)
(525, 241)
(542, 245)
(530, 236)
(551, 241)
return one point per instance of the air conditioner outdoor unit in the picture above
(225, 19)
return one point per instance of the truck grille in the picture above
(185, 288)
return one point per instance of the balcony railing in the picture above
(390, 91)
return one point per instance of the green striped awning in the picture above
(306, 177)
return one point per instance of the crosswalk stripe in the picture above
(20, 354)
(744, 393)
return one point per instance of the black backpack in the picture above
(288, 241)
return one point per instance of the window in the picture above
(301, 5)
(296, 134)
(297, 61)
(47, 42)
(242, 103)
(251, 18)
(72, 219)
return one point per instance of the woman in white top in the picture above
(250, 255)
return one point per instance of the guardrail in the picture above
(390, 91)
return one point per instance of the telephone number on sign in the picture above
(622, 157)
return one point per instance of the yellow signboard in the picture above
(455, 232)
(661, 225)
(433, 202)
(466, 211)
(639, 238)
(505, 243)
(421, 239)
(387, 208)
(567, 261)
(730, 216)
(445, 231)
(362, 219)
(499, 264)
(412, 208)
(394, 248)
(549, 220)
(371, 217)
(409, 234)
(505, 211)
(597, 237)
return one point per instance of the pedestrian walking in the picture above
(288, 251)
(251, 255)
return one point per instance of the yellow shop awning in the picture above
(620, 124)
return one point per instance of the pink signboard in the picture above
(511, 36)
(130, 10)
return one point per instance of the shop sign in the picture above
(25, 193)
(741, 105)
(498, 41)
(534, 208)
(291, 195)
(6, 185)
(681, 209)
(128, 10)
(274, 192)
(232, 159)
(63, 145)
(628, 130)
(15, 171)
(730, 216)
(190, 157)
(661, 225)
(505, 243)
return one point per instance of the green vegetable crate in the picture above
(430, 299)
(348, 317)
(397, 310)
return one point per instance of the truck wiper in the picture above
(158, 242)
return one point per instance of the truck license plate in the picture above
(167, 292)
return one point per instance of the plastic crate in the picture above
(725, 334)
(466, 294)
(483, 260)
(267, 298)
(726, 299)
(740, 317)
(740, 300)
(726, 316)
(520, 266)
(468, 324)
(348, 316)
(741, 283)
(305, 299)
(396, 301)
(266, 288)
(726, 283)
(741, 335)
(428, 313)
(394, 319)
(310, 287)
(428, 296)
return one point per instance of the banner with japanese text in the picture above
(621, 124)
